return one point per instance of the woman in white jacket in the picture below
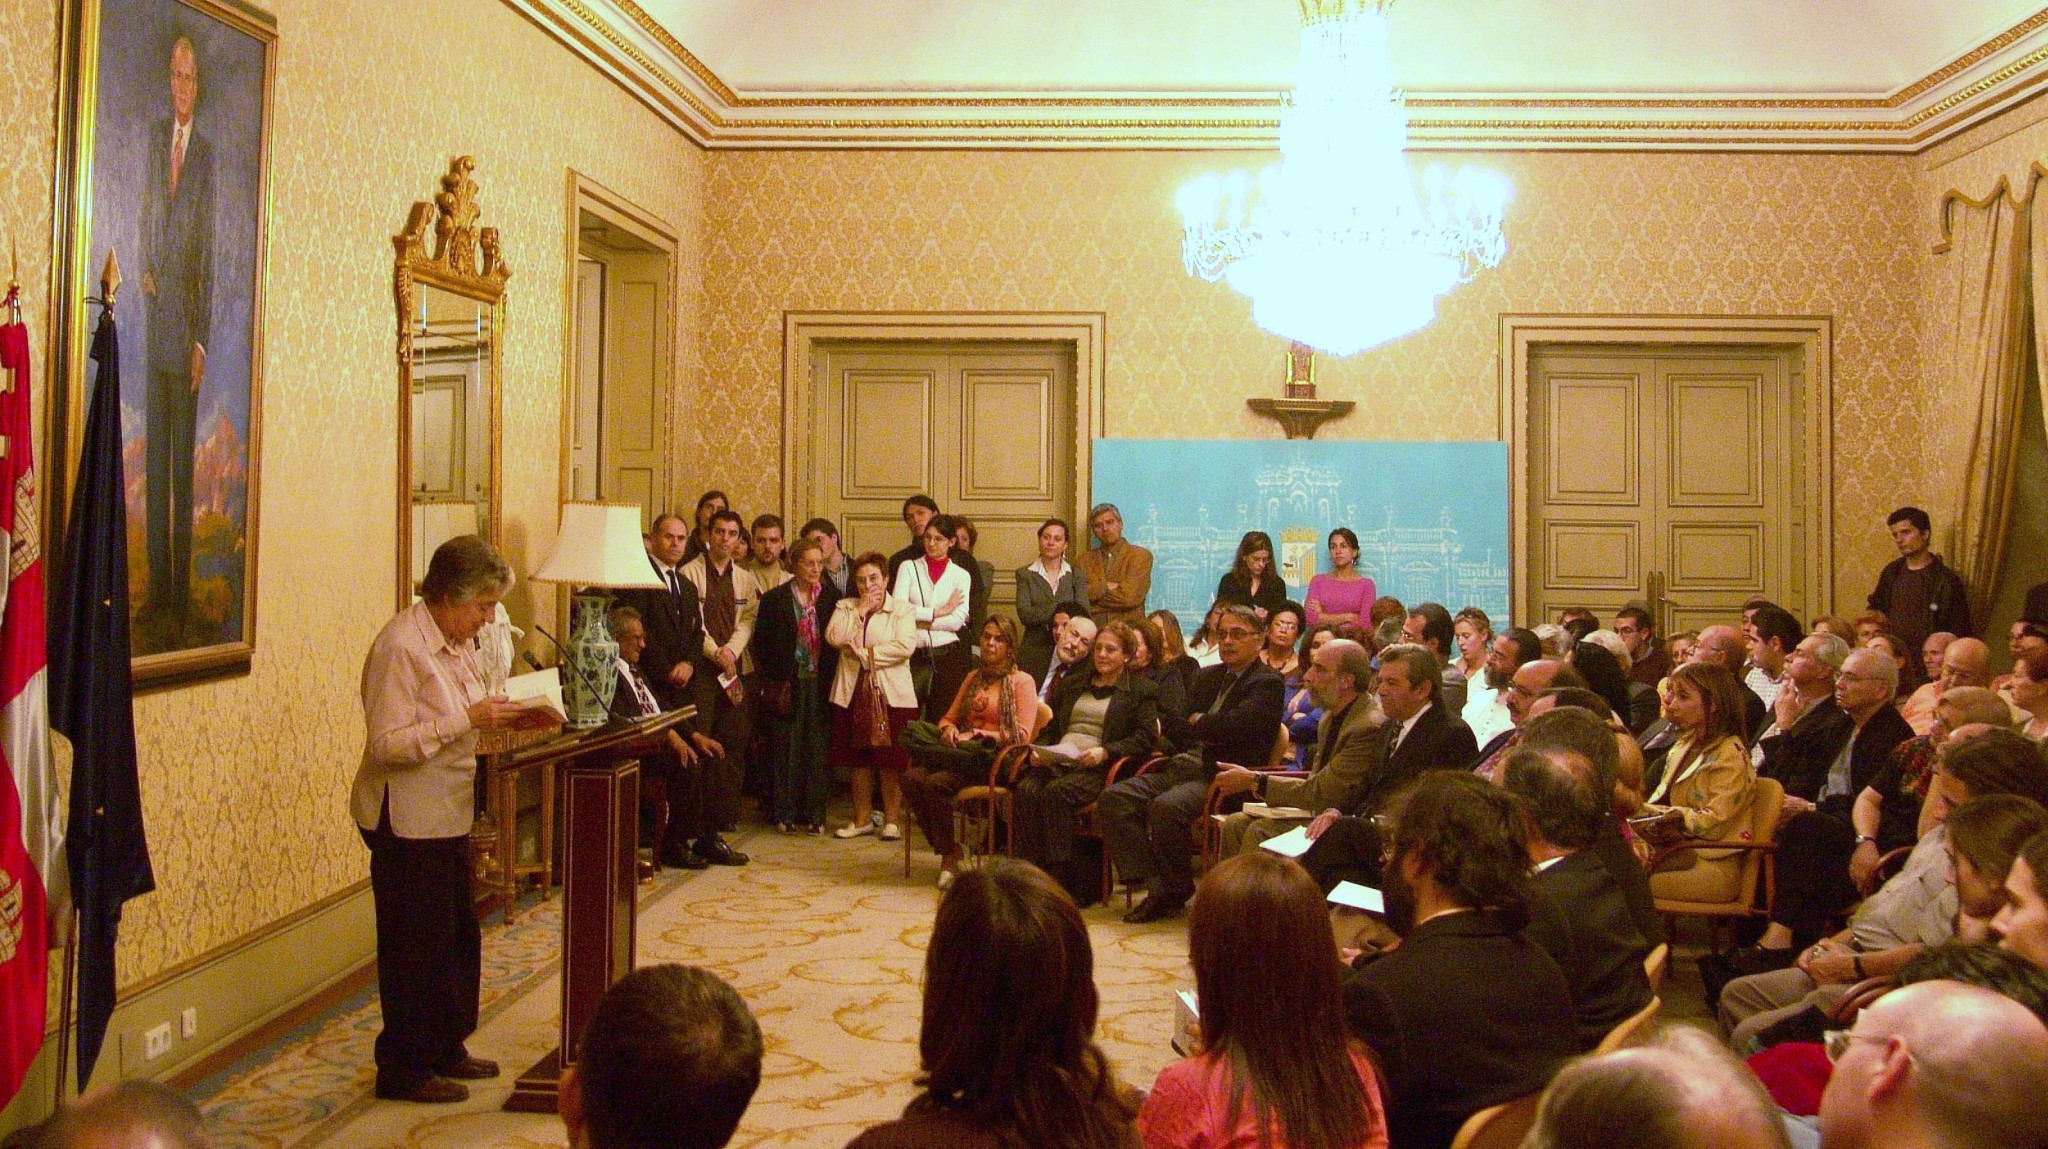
(872, 695)
(937, 588)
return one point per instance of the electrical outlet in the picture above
(188, 1023)
(156, 1041)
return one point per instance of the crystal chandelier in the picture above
(1333, 245)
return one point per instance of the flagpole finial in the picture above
(110, 280)
(13, 297)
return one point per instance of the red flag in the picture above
(32, 870)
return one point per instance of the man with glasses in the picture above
(1648, 660)
(1525, 688)
(1938, 1063)
(1234, 716)
(1512, 649)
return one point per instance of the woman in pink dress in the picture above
(1276, 1069)
(1343, 595)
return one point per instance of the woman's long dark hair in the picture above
(1270, 987)
(1252, 543)
(1007, 1040)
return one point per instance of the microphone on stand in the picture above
(566, 661)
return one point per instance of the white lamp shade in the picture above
(599, 545)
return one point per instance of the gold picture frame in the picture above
(164, 159)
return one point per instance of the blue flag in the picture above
(92, 702)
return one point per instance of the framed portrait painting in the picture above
(167, 157)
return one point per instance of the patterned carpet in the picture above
(825, 941)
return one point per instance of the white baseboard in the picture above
(234, 990)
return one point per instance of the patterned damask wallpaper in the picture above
(1589, 232)
(245, 781)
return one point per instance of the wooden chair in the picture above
(1085, 826)
(989, 803)
(1755, 887)
(1631, 1030)
(1501, 1126)
(1861, 994)
(1655, 965)
(1888, 867)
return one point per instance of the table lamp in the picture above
(599, 548)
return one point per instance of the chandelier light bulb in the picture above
(1336, 246)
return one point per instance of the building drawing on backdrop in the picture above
(170, 176)
(1431, 518)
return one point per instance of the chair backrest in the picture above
(1655, 964)
(1038, 720)
(1280, 748)
(1764, 809)
(1502, 1126)
(1631, 1029)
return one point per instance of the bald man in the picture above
(1961, 662)
(1527, 685)
(1682, 1090)
(1938, 1065)
(1724, 646)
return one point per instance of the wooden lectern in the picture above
(600, 797)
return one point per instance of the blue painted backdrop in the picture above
(1431, 518)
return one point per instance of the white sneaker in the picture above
(946, 879)
(855, 830)
(889, 832)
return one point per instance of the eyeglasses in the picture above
(1838, 1042)
(1851, 676)
(1236, 632)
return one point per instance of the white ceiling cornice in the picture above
(620, 38)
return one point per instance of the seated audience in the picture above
(1686, 643)
(1283, 632)
(1559, 724)
(1887, 813)
(2030, 693)
(1706, 787)
(670, 1059)
(1474, 634)
(1915, 909)
(1006, 1050)
(1555, 641)
(1896, 649)
(1807, 730)
(1173, 648)
(1344, 594)
(1918, 708)
(1253, 580)
(1648, 659)
(873, 698)
(1146, 662)
(1275, 1067)
(1348, 762)
(1985, 838)
(1387, 618)
(1604, 674)
(1938, 1064)
(1466, 1012)
(1723, 646)
(994, 707)
(133, 1114)
(1582, 917)
(1869, 624)
(1202, 647)
(1816, 830)
(1234, 716)
(1302, 715)
(1680, 1091)
(1524, 688)
(1770, 636)
(793, 674)
(1047, 584)
(937, 589)
(1429, 626)
(1096, 720)
(1512, 649)
(1070, 655)
(668, 779)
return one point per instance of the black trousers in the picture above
(429, 952)
(708, 799)
(1349, 851)
(1147, 825)
(1813, 883)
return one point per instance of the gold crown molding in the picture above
(681, 87)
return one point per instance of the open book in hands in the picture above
(539, 696)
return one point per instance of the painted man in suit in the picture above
(177, 284)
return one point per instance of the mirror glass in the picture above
(451, 420)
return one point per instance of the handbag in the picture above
(869, 713)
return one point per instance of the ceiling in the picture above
(1891, 75)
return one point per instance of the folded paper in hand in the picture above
(1293, 844)
(539, 693)
(1358, 898)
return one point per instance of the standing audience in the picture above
(1344, 594)
(873, 697)
(1043, 586)
(1118, 571)
(1253, 579)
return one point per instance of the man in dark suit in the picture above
(1581, 917)
(1807, 730)
(1234, 716)
(673, 618)
(1466, 1012)
(177, 285)
(1419, 734)
(672, 784)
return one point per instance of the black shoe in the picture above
(717, 853)
(432, 1091)
(1757, 959)
(1155, 907)
(680, 858)
(469, 1069)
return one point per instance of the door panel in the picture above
(985, 429)
(1661, 469)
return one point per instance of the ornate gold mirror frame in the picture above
(464, 265)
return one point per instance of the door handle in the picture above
(1659, 608)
